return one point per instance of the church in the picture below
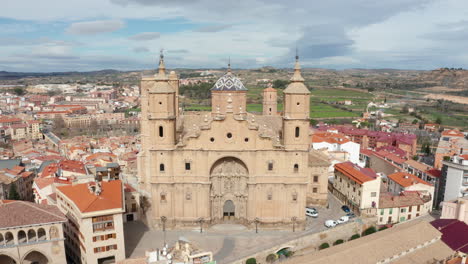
(228, 165)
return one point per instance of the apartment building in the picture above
(403, 181)
(94, 232)
(454, 178)
(451, 143)
(407, 205)
(357, 187)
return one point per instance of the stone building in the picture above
(228, 165)
(31, 233)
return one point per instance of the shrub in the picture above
(324, 246)
(339, 241)
(369, 231)
(383, 228)
(271, 258)
(355, 236)
(251, 261)
(289, 253)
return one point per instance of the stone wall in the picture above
(313, 240)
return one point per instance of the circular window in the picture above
(229, 135)
(298, 103)
(160, 102)
(246, 139)
(212, 139)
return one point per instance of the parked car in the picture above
(351, 215)
(330, 223)
(343, 219)
(312, 212)
(345, 209)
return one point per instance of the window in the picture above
(229, 135)
(410, 208)
(381, 212)
(419, 208)
(316, 178)
(161, 131)
(341, 179)
(403, 210)
(188, 196)
(269, 197)
(270, 165)
(212, 139)
(163, 197)
(296, 167)
(161, 167)
(381, 218)
(354, 189)
(297, 132)
(314, 190)
(246, 139)
(391, 211)
(298, 103)
(187, 165)
(373, 194)
(294, 197)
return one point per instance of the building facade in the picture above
(227, 165)
(456, 209)
(31, 233)
(454, 178)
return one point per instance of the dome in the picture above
(229, 82)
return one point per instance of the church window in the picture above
(270, 197)
(316, 178)
(163, 197)
(270, 165)
(294, 197)
(160, 102)
(161, 131)
(161, 167)
(187, 165)
(212, 139)
(298, 103)
(229, 135)
(314, 190)
(246, 139)
(270, 109)
(296, 167)
(297, 132)
(188, 196)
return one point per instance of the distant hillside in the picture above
(4, 75)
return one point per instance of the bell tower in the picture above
(270, 101)
(159, 109)
(296, 112)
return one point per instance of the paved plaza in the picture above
(227, 242)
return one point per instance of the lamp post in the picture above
(257, 220)
(293, 219)
(201, 220)
(163, 220)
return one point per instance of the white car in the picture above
(343, 219)
(312, 212)
(330, 223)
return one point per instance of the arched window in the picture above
(161, 167)
(297, 132)
(9, 239)
(32, 235)
(2, 241)
(296, 167)
(22, 237)
(41, 234)
(161, 131)
(270, 165)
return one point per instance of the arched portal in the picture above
(35, 257)
(229, 190)
(4, 259)
(229, 210)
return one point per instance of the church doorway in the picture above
(229, 210)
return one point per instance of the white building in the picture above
(454, 179)
(405, 206)
(402, 181)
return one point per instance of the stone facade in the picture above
(227, 165)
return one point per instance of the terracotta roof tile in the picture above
(406, 179)
(356, 173)
(20, 213)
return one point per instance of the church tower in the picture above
(159, 108)
(228, 90)
(296, 112)
(270, 101)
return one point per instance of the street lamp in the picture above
(293, 219)
(257, 220)
(163, 220)
(201, 220)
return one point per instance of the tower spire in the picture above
(229, 65)
(297, 77)
(162, 67)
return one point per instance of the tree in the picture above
(13, 194)
(313, 122)
(383, 228)
(355, 236)
(339, 241)
(19, 91)
(251, 261)
(369, 231)
(438, 120)
(280, 84)
(415, 121)
(271, 258)
(324, 246)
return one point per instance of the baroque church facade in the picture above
(228, 165)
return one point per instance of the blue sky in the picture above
(85, 35)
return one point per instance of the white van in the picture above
(312, 212)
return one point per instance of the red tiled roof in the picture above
(452, 133)
(10, 120)
(406, 179)
(110, 197)
(20, 213)
(356, 173)
(434, 172)
(332, 138)
(41, 183)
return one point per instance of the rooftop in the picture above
(405, 199)
(86, 201)
(454, 233)
(356, 173)
(406, 179)
(20, 213)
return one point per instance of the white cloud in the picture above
(95, 27)
(145, 36)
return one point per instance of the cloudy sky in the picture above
(85, 35)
